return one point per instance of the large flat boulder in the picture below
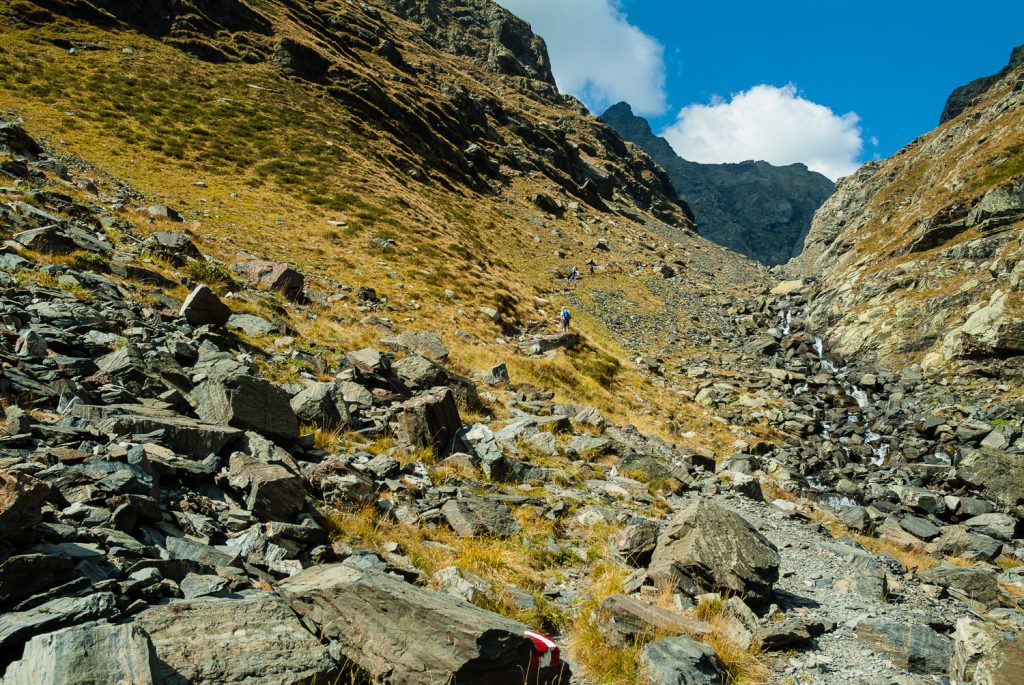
(708, 547)
(917, 648)
(998, 475)
(253, 639)
(399, 633)
(85, 654)
(185, 435)
(246, 402)
(18, 626)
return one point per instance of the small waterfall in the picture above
(860, 396)
(786, 318)
(880, 449)
(819, 347)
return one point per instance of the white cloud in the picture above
(769, 123)
(596, 54)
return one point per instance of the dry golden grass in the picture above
(276, 170)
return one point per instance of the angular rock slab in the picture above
(246, 402)
(90, 653)
(21, 498)
(917, 648)
(203, 307)
(986, 654)
(708, 547)
(401, 634)
(18, 626)
(428, 420)
(182, 433)
(254, 639)
(681, 661)
(624, 621)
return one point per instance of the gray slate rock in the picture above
(255, 639)
(681, 661)
(93, 653)
(424, 637)
(202, 307)
(246, 402)
(917, 648)
(707, 547)
(17, 626)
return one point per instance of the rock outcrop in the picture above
(918, 256)
(964, 97)
(707, 547)
(759, 210)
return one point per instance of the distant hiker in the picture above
(591, 265)
(574, 275)
(565, 316)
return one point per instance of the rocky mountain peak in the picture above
(483, 30)
(963, 97)
(757, 209)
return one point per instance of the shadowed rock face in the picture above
(961, 98)
(757, 209)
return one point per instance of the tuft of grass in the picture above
(210, 273)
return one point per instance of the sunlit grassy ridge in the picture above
(260, 163)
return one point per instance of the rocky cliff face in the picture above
(963, 97)
(919, 256)
(757, 209)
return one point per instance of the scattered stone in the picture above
(709, 547)
(424, 638)
(681, 661)
(202, 307)
(916, 648)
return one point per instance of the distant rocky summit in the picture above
(962, 98)
(757, 209)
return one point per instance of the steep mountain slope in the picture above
(757, 209)
(421, 149)
(919, 257)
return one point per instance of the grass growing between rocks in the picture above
(600, 662)
(521, 560)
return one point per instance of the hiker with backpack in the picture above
(565, 316)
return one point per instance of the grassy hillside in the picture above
(269, 164)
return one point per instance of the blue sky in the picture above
(828, 83)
